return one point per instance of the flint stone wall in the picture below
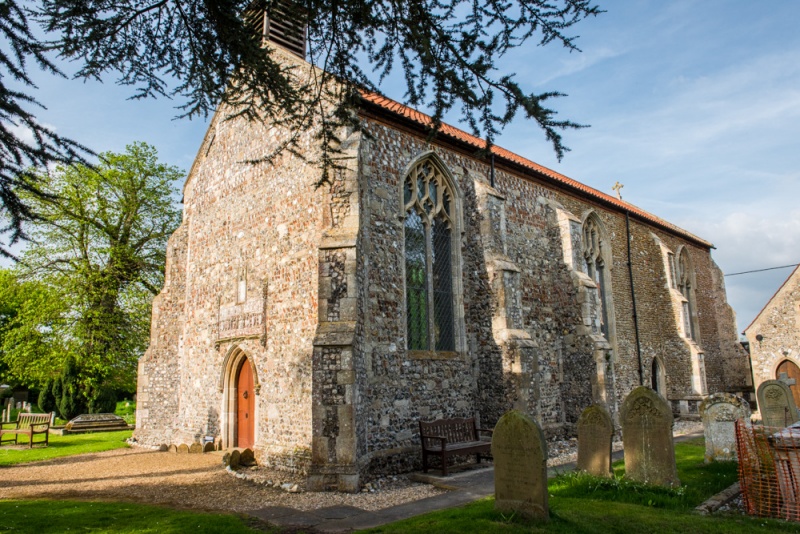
(321, 311)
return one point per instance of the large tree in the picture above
(203, 52)
(99, 243)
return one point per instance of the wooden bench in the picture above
(30, 424)
(451, 437)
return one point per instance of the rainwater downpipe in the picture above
(633, 299)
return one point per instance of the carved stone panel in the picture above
(647, 438)
(720, 412)
(595, 431)
(776, 404)
(520, 466)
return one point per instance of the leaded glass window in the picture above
(428, 203)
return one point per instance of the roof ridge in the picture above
(422, 119)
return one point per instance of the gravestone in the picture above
(183, 448)
(173, 448)
(208, 447)
(195, 448)
(647, 438)
(776, 404)
(247, 458)
(595, 431)
(720, 412)
(234, 459)
(520, 466)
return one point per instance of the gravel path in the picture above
(198, 481)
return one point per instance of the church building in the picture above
(318, 326)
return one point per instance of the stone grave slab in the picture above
(776, 404)
(720, 412)
(96, 422)
(520, 466)
(595, 432)
(647, 422)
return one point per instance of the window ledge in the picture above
(433, 355)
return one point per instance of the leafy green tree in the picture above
(100, 245)
(32, 330)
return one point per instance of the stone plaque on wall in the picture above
(520, 466)
(720, 412)
(595, 431)
(776, 404)
(647, 438)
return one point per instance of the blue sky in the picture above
(693, 106)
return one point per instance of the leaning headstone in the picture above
(595, 431)
(647, 438)
(720, 412)
(776, 404)
(520, 466)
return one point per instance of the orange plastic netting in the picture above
(769, 470)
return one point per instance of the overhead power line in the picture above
(762, 270)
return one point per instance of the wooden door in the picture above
(793, 373)
(245, 406)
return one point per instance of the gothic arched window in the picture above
(685, 281)
(429, 203)
(595, 263)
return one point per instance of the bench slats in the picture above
(30, 424)
(446, 437)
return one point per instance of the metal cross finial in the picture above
(618, 187)
(783, 377)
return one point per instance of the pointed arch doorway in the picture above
(239, 385)
(792, 373)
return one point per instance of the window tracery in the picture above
(428, 202)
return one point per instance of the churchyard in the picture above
(655, 488)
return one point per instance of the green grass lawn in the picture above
(585, 504)
(42, 517)
(65, 446)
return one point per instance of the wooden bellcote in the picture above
(282, 22)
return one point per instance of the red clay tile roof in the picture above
(400, 110)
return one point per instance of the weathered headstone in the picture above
(647, 438)
(520, 466)
(595, 431)
(173, 448)
(720, 412)
(208, 447)
(183, 448)
(248, 458)
(234, 459)
(195, 448)
(776, 404)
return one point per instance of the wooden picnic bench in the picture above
(30, 424)
(451, 437)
